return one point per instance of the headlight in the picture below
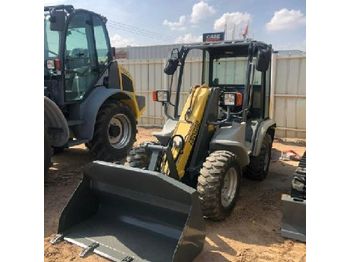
(233, 99)
(229, 99)
(160, 96)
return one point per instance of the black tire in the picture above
(258, 167)
(138, 157)
(88, 145)
(101, 145)
(58, 150)
(47, 154)
(211, 182)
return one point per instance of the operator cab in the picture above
(228, 71)
(77, 52)
(234, 71)
(240, 70)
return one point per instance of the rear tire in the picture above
(258, 167)
(47, 154)
(58, 150)
(138, 157)
(115, 132)
(218, 184)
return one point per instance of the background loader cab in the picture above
(232, 134)
(88, 97)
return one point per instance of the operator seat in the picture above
(165, 134)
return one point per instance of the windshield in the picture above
(51, 40)
(232, 71)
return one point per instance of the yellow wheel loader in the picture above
(88, 97)
(152, 208)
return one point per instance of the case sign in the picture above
(213, 37)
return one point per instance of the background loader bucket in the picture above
(128, 214)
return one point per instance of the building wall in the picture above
(288, 89)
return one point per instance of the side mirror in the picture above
(161, 96)
(263, 59)
(57, 20)
(114, 53)
(172, 63)
(171, 66)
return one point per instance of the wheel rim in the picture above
(228, 190)
(119, 131)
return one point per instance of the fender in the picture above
(88, 109)
(231, 139)
(260, 134)
(55, 123)
(135, 102)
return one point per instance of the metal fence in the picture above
(288, 94)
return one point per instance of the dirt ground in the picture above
(251, 233)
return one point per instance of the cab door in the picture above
(102, 44)
(80, 58)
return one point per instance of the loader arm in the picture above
(187, 129)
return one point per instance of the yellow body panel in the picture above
(132, 102)
(188, 126)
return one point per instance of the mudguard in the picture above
(261, 132)
(128, 214)
(88, 109)
(232, 139)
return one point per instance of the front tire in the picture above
(258, 167)
(115, 132)
(138, 157)
(218, 184)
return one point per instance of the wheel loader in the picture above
(88, 97)
(153, 207)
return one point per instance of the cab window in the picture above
(102, 46)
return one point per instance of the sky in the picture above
(156, 22)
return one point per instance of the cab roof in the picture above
(239, 47)
(69, 9)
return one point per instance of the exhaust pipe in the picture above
(130, 214)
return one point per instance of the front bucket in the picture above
(129, 214)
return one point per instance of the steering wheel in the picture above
(81, 71)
